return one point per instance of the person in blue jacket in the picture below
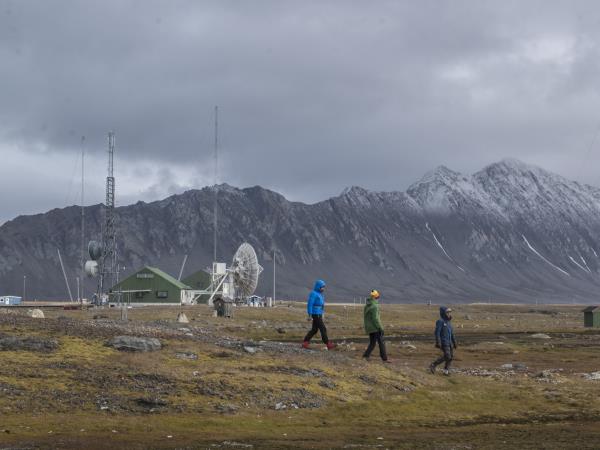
(315, 308)
(444, 340)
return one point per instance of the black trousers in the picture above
(317, 325)
(446, 357)
(376, 338)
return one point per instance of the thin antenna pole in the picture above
(82, 262)
(182, 267)
(62, 266)
(216, 180)
(273, 277)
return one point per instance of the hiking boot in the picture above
(387, 361)
(432, 368)
(367, 358)
(446, 372)
(305, 344)
(331, 345)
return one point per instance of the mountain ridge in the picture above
(511, 232)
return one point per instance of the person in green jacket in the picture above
(373, 326)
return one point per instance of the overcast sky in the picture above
(313, 96)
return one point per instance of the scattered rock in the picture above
(520, 366)
(549, 376)
(408, 345)
(280, 405)
(227, 408)
(281, 330)
(327, 383)
(367, 379)
(592, 376)
(250, 350)
(468, 317)
(186, 355)
(222, 354)
(37, 314)
(100, 316)
(182, 318)
(33, 343)
(540, 336)
(151, 402)
(506, 366)
(135, 344)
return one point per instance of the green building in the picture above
(591, 317)
(152, 285)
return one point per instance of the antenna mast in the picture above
(82, 218)
(109, 253)
(216, 180)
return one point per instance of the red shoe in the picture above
(305, 344)
(331, 345)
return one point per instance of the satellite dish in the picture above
(245, 270)
(91, 268)
(95, 250)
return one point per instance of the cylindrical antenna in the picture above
(216, 180)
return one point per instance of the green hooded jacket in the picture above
(371, 315)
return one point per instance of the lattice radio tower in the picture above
(108, 261)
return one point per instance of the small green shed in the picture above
(591, 317)
(152, 285)
(198, 281)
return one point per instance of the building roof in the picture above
(591, 309)
(167, 277)
(159, 273)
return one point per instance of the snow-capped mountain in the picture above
(511, 232)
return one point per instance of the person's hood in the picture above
(318, 285)
(443, 311)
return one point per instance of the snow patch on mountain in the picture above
(543, 259)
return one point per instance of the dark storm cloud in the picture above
(313, 96)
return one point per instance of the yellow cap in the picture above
(375, 293)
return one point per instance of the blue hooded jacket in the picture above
(444, 336)
(316, 300)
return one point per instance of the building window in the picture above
(139, 294)
(162, 294)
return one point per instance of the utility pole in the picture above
(24, 286)
(274, 277)
(216, 181)
(82, 262)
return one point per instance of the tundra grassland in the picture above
(523, 377)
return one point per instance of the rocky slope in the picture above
(511, 232)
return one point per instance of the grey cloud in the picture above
(314, 96)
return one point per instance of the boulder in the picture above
(33, 343)
(182, 318)
(37, 314)
(135, 344)
(540, 336)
